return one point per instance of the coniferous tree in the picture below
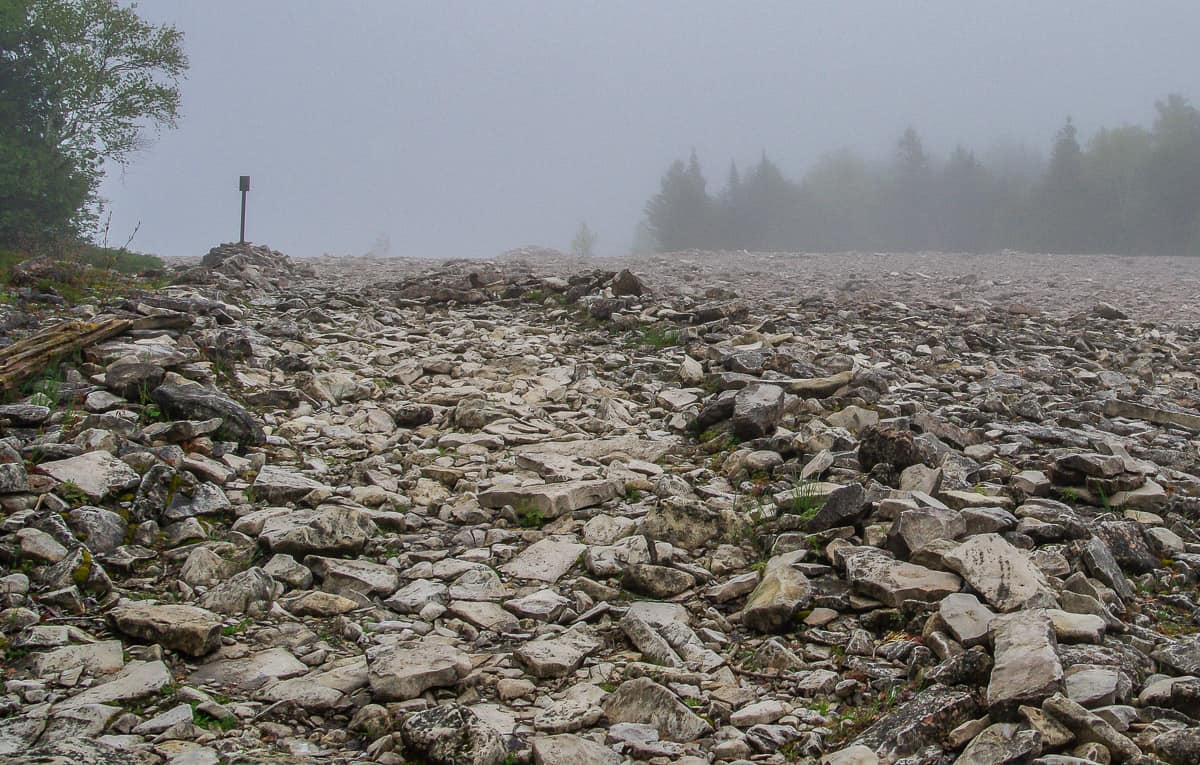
(770, 202)
(1171, 222)
(966, 204)
(1131, 190)
(1113, 166)
(909, 203)
(731, 211)
(1061, 201)
(679, 214)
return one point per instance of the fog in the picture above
(462, 129)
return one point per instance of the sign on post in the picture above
(243, 186)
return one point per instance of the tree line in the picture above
(1129, 189)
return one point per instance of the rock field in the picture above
(696, 508)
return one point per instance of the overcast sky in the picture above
(462, 129)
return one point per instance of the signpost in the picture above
(244, 186)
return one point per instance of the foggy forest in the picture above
(1127, 189)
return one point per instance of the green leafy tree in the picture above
(80, 81)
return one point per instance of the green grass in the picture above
(655, 337)
(210, 723)
(89, 271)
(119, 259)
(72, 493)
(235, 629)
(806, 501)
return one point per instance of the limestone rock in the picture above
(644, 701)
(399, 672)
(187, 629)
(1001, 573)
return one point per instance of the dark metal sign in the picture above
(243, 186)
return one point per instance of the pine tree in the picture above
(679, 215)
(966, 204)
(908, 224)
(1062, 200)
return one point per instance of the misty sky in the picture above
(463, 129)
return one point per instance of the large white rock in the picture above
(557, 655)
(187, 629)
(137, 680)
(402, 671)
(276, 484)
(1027, 668)
(892, 582)
(545, 560)
(553, 499)
(97, 474)
(1005, 577)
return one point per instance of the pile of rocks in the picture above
(235, 265)
(492, 512)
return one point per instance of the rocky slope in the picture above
(734, 508)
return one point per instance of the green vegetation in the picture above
(72, 494)
(655, 337)
(1067, 494)
(805, 501)
(854, 720)
(1129, 189)
(210, 723)
(81, 80)
(528, 516)
(235, 629)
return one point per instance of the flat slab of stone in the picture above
(195, 402)
(398, 672)
(187, 629)
(1005, 577)
(553, 499)
(545, 560)
(249, 673)
(569, 749)
(97, 474)
(485, 615)
(921, 722)
(137, 680)
(598, 448)
(966, 618)
(324, 530)
(363, 576)
(94, 658)
(277, 484)
(557, 655)
(1027, 669)
(892, 582)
